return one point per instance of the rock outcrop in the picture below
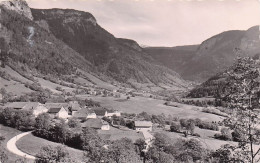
(19, 6)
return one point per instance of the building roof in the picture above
(56, 105)
(99, 111)
(16, 105)
(93, 123)
(83, 112)
(143, 124)
(54, 110)
(31, 105)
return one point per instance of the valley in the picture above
(71, 91)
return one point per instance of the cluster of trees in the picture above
(204, 103)
(183, 150)
(19, 119)
(188, 126)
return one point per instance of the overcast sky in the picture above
(165, 22)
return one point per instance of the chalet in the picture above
(96, 124)
(59, 110)
(35, 107)
(84, 114)
(143, 125)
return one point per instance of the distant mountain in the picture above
(211, 56)
(67, 42)
(173, 57)
(121, 59)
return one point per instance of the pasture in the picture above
(153, 106)
(31, 144)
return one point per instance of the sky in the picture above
(165, 22)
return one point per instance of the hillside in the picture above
(61, 44)
(121, 59)
(212, 56)
(219, 86)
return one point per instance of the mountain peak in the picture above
(20, 6)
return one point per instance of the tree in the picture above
(175, 127)
(49, 154)
(242, 98)
(3, 156)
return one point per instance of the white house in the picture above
(96, 124)
(143, 125)
(84, 114)
(59, 112)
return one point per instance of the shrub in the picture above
(175, 127)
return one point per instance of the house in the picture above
(85, 114)
(59, 110)
(111, 113)
(143, 125)
(35, 107)
(96, 124)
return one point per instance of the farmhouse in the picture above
(111, 113)
(59, 110)
(84, 114)
(143, 125)
(35, 107)
(96, 124)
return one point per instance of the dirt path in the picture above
(11, 146)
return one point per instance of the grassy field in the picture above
(15, 87)
(207, 142)
(31, 144)
(153, 106)
(8, 133)
(52, 86)
(115, 134)
(15, 74)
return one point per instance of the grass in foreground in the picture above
(31, 144)
(8, 133)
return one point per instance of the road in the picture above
(11, 146)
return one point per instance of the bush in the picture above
(225, 134)
(175, 127)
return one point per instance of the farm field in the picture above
(153, 106)
(8, 133)
(15, 87)
(99, 82)
(52, 86)
(116, 134)
(31, 144)
(15, 74)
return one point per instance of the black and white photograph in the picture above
(129, 81)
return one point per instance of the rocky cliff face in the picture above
(20, 6)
